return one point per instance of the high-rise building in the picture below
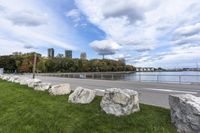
(17, 53)
(83, 56)
(68, 53)
(122, 60)
(50, 53)
(60, 55)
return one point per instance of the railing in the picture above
(179, 79)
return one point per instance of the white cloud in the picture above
(32, 26)
(145, 25)
(105, 47)
(27, 18)
(74, 14)
(188, 30)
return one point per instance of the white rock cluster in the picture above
(115, 101)
(185, 112)
(82, 95)
(62, 89)
(120, 102)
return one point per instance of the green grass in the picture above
(23, 110)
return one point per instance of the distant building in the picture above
(50, 53)
(68, 53)
(83, 56)
(17, 53)
(60, 56)
(122, 60)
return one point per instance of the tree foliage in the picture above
(24, 63)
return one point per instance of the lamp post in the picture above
(34, 64)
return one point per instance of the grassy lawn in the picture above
(24, 110)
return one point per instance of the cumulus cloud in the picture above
(146, 26)
(74, 14)
(188, 30)
(105, 47)
(27, 18)
(33, 26)
(28, 46)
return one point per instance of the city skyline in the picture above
(152, 33)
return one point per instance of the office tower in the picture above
(122, 60)
(50, 53)
(83, 56)
(68, 53)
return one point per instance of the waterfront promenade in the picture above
(149, 93)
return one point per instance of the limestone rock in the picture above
(42, 86)
(24, 81)
(120, 102)
(62, 89)
(82, 95)
(15, 79)
(5, 77)
(185, 112)
(34, 82)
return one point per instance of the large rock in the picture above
(42, 86)
(25, 81)
(34, 82)
(62, 89)
(185, 112)
(5, 77)
(14, 79)
(82, 95)
(120, 102)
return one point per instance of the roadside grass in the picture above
(23, 110)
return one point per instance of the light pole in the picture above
(34, 64)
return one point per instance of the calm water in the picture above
(168, 77)
(186, 77)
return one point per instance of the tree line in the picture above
(24, 64)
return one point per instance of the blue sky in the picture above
(146, 33)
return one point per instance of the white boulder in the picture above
(120, 102)
(14, 79)
(34, 82)
(42, 86)
(24, 81)
(5, 77)
(62, 89)
(185, 112)
(82, 95)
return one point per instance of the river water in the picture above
(184, 77)
(168, 77)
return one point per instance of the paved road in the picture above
(149, 93)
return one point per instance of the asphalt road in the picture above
(149, 93)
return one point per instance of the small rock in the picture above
(34, 82)
(42, 86)
(82, 95)
(5, 77)
(62, 89)
(120, 102)
(185, 112)
(25, 81)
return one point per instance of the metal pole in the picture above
(140, 77)
(157, 78)
(179, 79)
(34, 64)
(101, 76)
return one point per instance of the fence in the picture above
(179, 79)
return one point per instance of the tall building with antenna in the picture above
(83, 56)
